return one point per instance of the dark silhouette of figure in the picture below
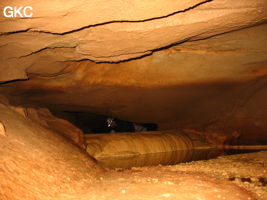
(117, 125)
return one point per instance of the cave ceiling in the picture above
(148, 61)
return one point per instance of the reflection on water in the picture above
(239, 151)
(129, 160)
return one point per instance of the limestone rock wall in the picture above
(36, 163)
(106, 31)
(126, 150)
(196, 65)
(215, 86)
(187, 64)
(65, 128)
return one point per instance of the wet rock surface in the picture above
(197, 65)
(211, 179)
(36, 163)
(216, 86)
(206, 73)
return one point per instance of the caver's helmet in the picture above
(111, 122)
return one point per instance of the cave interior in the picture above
(133, 100)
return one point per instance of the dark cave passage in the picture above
(96, 123)
(126, 145)
(133, 100)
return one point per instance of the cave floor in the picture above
(242, 176)
(246, 170)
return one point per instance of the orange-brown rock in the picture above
(126, 150)
(65, 128)
(74, 31)
(220, 81)
(2, 130)
(161, 183)
(36, 163)
(199, 65)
